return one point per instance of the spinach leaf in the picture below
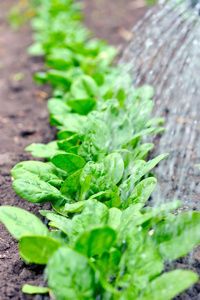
(169, 235)
(37, 249)
(31, 289)
(68, 162)
(167, 286)
(21, 223)
(96, 241)
(38, 170)
(70, 275)
(104, 175)
(37, 191)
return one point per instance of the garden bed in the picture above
(26, 121)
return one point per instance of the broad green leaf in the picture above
(31, 289)
(177, 237)
(99, 78)
(108, 264)
(71, 185)
(68, 162)
(68, 143)
(60, 60)
(96, 241)
(141, 262)
(70, 122)
(38, 249)
(94, 214)
(40, 77)
(60, 222)
(153, 215)
(121, 129)
(70, 276)
(57, 107)
(59, 78)
(74, 207)
(145, 92)
(114, 217)
(66, 208)
(37, 170)
(109, 198)
(64, 134)
(142, 191)
(140, 168)
(42, 150)
(95, 138)
(82, 106)
(84, 87)
(73, 150)
(141, 151)
(104, 175)
(21, 223)
(36, 191)
(73, 122)
(168, 285)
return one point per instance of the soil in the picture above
(24, 120)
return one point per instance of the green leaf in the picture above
(146, 92)
(68, 162)
(140, 168)
(70, 275)
(71, 186)
(95, 138)
(142, 191)
(70, 122)
(21, 223)
(60, 222)
(99, 78)
(114, 218)
(109, 198)
(84, 87)
(142, 259)
(155, 122)
(141, 151)
(40, 77)
(42, 150)
(168, 285)
(96, 241)
(59, 78)
(31, 289)
(153, 215)
(177, 237)
(64, 134)
(94, 214)
(37, 170)
(38, 249)
(104, 175)
(36, 191)
(144, 133)
(82, 106)
(74, 207)
(57, 107)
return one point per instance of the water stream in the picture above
(165, 53)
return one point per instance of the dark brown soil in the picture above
(24, 120)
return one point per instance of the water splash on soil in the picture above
(165, 53)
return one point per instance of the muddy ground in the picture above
(24, 120)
